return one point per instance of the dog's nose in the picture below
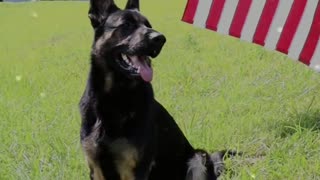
(156, 41)
(159, 39)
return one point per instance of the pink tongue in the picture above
(145, 70)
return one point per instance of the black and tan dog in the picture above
(126, 134)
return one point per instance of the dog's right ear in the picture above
(133, 4)
(100, 10)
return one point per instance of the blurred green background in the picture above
(223, 93)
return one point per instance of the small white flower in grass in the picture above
(34, 14)
(42, 94)
(279, 29)
(253, 176)
(18, 78)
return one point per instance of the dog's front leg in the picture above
(143, 170)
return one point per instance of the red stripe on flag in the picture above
(291, 25)
(265, 21)
(239, 18)
(215, 14)
(312, 39)
(190, 11)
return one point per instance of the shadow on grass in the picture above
(299, 122)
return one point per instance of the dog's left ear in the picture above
(133, 4)
(100, 10)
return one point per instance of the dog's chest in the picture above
(119, 124)
(125, 117)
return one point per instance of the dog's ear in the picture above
(100, 10)
(133, 4)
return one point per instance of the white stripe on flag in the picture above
(278, 23)
(303, 30)
(315, 60)
(252, 20)
(202, 13)
(227, 16)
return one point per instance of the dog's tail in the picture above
(203, 166)
(217, 160)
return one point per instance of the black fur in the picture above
(125, 133)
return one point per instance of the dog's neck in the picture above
(120, 100)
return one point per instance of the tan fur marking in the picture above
(108, 82)
(97, 172)
(115, 20)
(99, 44)
(90, 149)
(126, 156)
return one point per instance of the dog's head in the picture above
(124, 39)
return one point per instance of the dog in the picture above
(125, 133)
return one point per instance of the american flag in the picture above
(288, 26)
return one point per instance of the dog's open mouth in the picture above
(136, 66)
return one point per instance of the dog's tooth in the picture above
(124, 57)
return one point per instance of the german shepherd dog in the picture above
(125, 133)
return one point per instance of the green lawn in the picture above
(223, 93)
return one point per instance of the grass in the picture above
(223, 93)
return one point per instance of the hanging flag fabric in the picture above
(288, 26)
